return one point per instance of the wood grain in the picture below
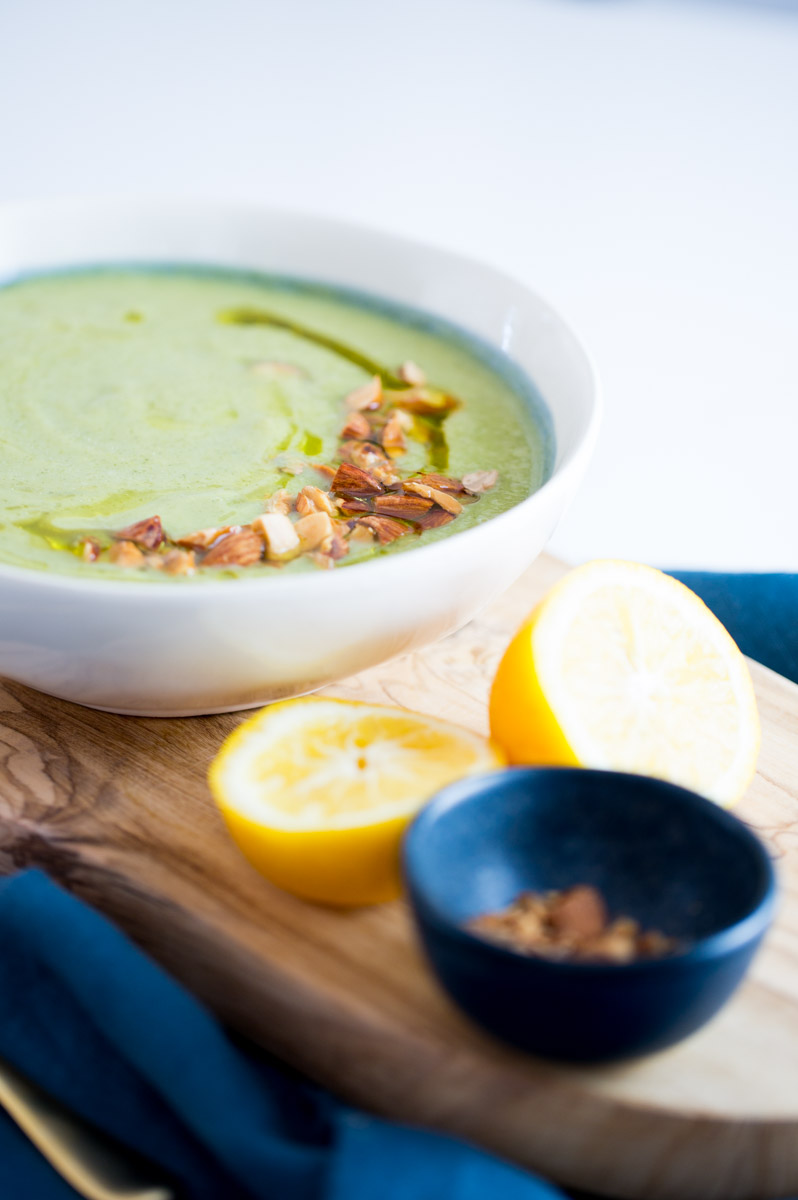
(117, 810)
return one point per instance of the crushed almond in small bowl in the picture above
(574, 925)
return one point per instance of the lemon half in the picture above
(622, 667)
(318, 792)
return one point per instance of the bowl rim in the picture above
(708, 948)
(175, 590)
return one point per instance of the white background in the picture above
(636, 162)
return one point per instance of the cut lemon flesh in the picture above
(317, 792)
(621, 667)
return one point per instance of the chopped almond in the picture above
(571, 924)
(241, 547)
(393, 437)
(90, 550)
(179, 562)
(445, 501)
(361, 533)
(147, 533)
(480, 481)
(126, 554)
(313, 499)
(433, 519)
(325, 561)
(203, 538)
(579, 912)
(313, 529)
(369, 458)
(351, 506)
(443, 483)
(361, 454)
(418, 489)
(293, 468)
(335, 545)
(280, 534)
(353, 481)
(323, 469)
(384, 473)
(433, 493)
(409, 372)
(367, 397)
(406, 507)
(386, 528)
(357, 426)
(280, 502)
(424, 401)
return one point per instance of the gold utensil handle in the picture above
(83, 1157)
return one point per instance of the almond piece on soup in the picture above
(351, 506)
(362, 454)
(179, 562)
(280, 535)
(424, 401)
(369, 396)
(360, 534)
(357, 426)
(444, 499)
(313, 529)
(335, 545)
(386, 529)
(369, 458)
(354, 481)
(280, 502)
(410, 372)
(202, 538)
(406, 507)
(433, 519)
(325, 561)
(480, 481)
(393, 437)
(238, 548)
(147, 533)
(126, 554)
(313, 499)
(444, 483)
(90, 550)
(323, 469)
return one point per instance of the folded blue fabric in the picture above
(759, 611)
(92, 1020)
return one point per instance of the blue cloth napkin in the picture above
(92, 1020)
(759, 611)
(88, 1017)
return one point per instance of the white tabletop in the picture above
(636, 162)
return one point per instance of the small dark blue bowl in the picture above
(663, 855)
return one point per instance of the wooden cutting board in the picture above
(117, 810)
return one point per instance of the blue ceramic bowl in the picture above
(659, 853)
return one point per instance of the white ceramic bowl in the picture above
(178, 650)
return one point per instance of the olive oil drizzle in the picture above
(259, 316)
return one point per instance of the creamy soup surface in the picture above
(197, 396)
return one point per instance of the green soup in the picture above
(195, 395)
